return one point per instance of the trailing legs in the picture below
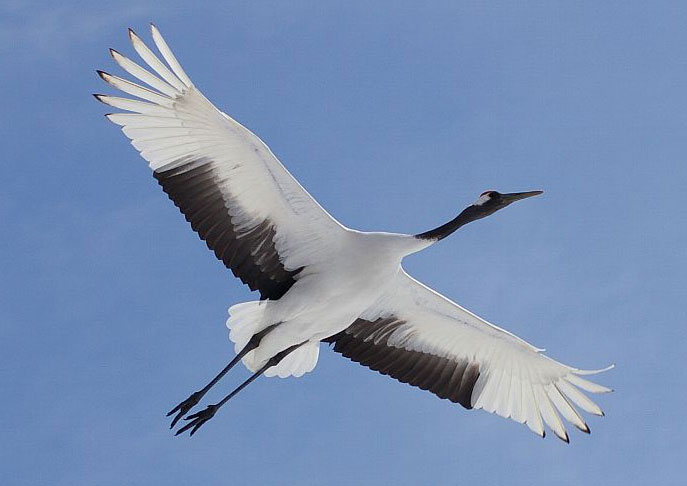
(184, 407)
(199, 418)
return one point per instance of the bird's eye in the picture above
(494, 195)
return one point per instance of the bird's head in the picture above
(488, 203)
(491, 201)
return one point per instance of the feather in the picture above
(152, 60)
(169, 56)
(135, 89)
(144, 75)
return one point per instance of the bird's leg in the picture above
(199, 418)
(183, 408)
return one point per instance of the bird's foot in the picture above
(184, 407)
(198, 419)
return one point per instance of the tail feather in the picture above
(245, 320)
(298, 362)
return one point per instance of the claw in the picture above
(184, 407)
(198, 419)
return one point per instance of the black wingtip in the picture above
(98, 96)
(102, 73)
(114, 51)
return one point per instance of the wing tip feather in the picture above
(117, 56)
(105, 76)
(133, 37)
(169, 56)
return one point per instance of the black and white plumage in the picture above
(318, 280)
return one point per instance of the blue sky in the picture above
(395, 116)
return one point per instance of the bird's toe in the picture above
(197, 420)
(184, 407)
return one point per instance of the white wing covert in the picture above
(422, 338)
(232, 189)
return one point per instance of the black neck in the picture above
(471, 213)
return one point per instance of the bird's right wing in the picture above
(232, 189)
(422, 338)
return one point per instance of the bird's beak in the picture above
(516, 196)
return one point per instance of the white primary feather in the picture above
(135, 89)
(152, 60)
(144, 75)
(169, 56)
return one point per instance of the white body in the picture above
(357, 271)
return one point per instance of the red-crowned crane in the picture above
(318, 280)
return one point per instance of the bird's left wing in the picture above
(422, 338)
(232, 189)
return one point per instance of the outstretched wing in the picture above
(237, 196)
(420, 337)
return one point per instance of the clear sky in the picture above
(394, 116)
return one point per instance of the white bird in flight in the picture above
(319, 280)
